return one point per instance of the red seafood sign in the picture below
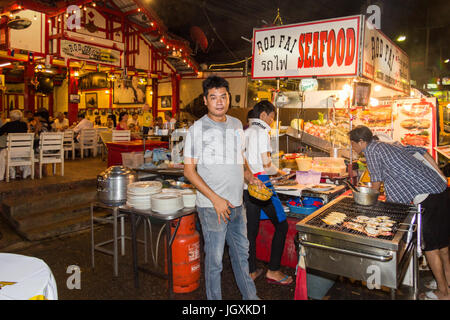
(323, 48)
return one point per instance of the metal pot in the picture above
(365, 196)
(112, 184)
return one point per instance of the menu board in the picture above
(415, 123)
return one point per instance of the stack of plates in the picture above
(139, 193)
(171, 191)
(167, 202)
(189, 197)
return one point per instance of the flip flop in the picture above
(258, 272)
(432, 285)
(279, 282)
(430, 295)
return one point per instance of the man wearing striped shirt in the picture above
(411, 175)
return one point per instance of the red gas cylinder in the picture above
(186, 256)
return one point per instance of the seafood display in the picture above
(334, 218)
(371, 226)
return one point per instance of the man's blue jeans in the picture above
(234, 232)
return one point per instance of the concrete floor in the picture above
(100, 283)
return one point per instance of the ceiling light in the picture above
(401, 38)
(5, 64)
(447, 61)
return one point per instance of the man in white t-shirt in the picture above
(82, 124)
(213, 163)
(258, 155)
(60, 123)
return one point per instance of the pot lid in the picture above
(115, 171)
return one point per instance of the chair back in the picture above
(68, 138)
(121, 135)
(20, 145)
(88, 137)
(51, 142)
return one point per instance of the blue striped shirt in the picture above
(404, 176)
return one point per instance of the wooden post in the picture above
(175, 93)
(72, 89)
(155, 98)
(29, 90)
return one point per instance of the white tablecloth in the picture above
(25, 278)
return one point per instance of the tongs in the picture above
(280, 178)
(351, 186)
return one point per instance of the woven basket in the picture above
(262, 194)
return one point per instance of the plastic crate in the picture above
(308, 177)
(306, 210)
(132, 160)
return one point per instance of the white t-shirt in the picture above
(57, 125)
(257, 141)
(84, 124)
(218, 147)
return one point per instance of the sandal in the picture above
(257, 273)
(432, 285)
(430, 295)
(282, 282)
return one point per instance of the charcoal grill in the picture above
(382, 260)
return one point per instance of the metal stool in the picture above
(112, 220)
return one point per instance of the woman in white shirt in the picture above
(257, 154)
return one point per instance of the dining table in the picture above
(26, 278)
(115, 149)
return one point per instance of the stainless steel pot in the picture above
(365, 196)
(112, 184)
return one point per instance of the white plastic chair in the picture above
(100, 145)
(51, 150)
(19, 151)
(68, 143)
(87, 140)
(121, 135)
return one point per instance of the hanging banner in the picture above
(383, 62)
(88, 52)
(326, 48)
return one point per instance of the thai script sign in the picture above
(323, 48)
(384, 62)
(87, 52)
